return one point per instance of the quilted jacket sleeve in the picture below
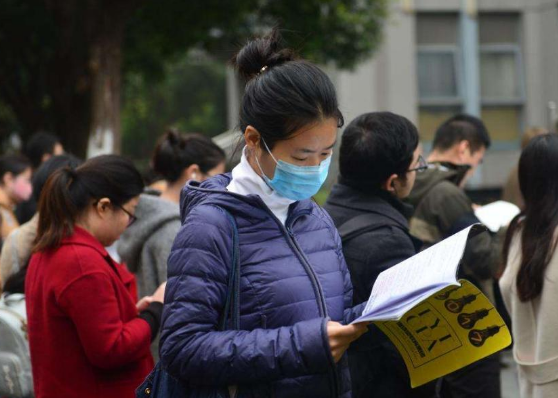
(192, 347)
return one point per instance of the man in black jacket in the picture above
(379, 159)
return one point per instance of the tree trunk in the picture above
(86, 73)
(105, 66)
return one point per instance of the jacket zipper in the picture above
(322, 307)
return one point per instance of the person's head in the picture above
(289, 114)
(462, 140)
(42, 146)
(43, 173)
(531, 133)
(537, 223)
(380, 150)
(100, 195)
(15, 178)
(182, 157)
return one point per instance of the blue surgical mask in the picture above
(296, 182)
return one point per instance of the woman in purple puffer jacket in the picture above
(295, 290)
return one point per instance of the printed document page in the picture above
(401, 287)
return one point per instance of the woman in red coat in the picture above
(87, 335)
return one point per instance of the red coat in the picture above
(85, 336)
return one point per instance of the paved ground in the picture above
(510, 387)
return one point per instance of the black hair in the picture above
(175, 152)
(462, 127)
(68, 192)
(50, 166)
(538, 220)
(283, 93)
(39, 144)
(15, 164)
(374, 146)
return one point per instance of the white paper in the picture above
(401, 287)
(497, 215)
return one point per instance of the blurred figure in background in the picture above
(378, 161)
(511, 192)
(442, 208)
(85, 334)
(17, 247)
(39, 148)
(146, 245)
(15, 187)
(529, 282)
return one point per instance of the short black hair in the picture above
(39, 144)
(283, 93)
(15, 164)
(48, 168)
(374, 146)
(462, 127)
(176, 151)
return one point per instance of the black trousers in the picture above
(478, 380)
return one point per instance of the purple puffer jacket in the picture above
(293, 279)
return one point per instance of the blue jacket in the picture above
(293, 279)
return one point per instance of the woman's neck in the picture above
(172, 193)
(5, 200)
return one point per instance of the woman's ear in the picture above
(7, 178)
(192, 172)
(252, 138)
(389, 184)
(103, 206)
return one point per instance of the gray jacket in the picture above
(145, 246)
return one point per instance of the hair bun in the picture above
(264, 52)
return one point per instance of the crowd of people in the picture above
(241, 285)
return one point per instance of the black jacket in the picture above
(376, 367)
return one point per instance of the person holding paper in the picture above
(294, 289)
(441, 209)
(379, 160)
(529, 281)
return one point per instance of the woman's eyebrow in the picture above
(305, 150)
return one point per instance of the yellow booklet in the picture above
(437, 323)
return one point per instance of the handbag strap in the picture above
(232, 303)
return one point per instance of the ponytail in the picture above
(57, 212)
(68, 192)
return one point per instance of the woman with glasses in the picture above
(378, 162)
(88, 335)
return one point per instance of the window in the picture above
(501, 75)
(439, 77)
(438, 71)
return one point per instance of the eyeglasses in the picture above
(131, 218)
(422, 165)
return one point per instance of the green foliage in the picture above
(45, 68)
(338, 31)
(191, 98)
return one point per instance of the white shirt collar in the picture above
(245, 181)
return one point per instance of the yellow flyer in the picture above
(438, 324)
(447, 331)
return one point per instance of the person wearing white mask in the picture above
(15, 187)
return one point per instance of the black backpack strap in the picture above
(361, 224)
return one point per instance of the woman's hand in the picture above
(341, 337)
(144, 303)
(158, 296)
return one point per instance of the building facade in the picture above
(421, 71)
